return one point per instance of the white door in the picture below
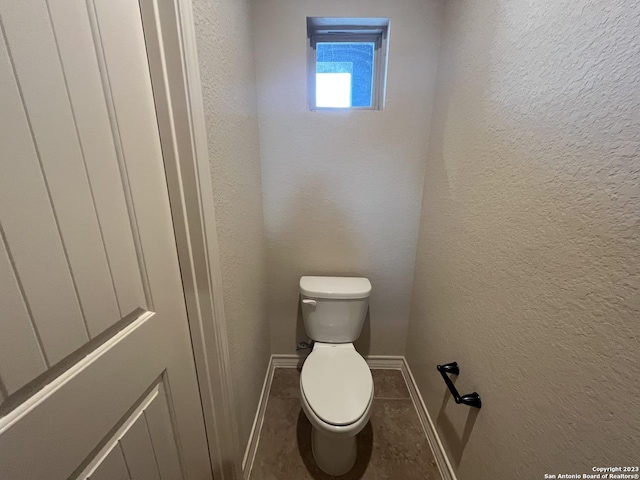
(97, 378)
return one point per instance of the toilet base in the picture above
(334, 455)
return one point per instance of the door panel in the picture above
(96, 368)
(138, 450)
(112, 467)
(43, 89)
(82, 73)
(18, 339)
(31, 233)
(82, 405)
(145, 442)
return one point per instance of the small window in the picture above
(347, 62)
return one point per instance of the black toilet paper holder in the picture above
(471, 399)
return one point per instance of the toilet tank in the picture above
(334, 308)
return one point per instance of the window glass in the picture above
(344, 74)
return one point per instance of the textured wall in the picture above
(528, 265)
(342, 189)
(225, 50)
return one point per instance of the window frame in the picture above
(366, 31)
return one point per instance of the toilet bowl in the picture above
(336, 389)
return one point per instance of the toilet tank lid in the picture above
(335, 287)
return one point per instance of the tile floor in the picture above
(391, 446)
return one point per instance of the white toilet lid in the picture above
(337, 384)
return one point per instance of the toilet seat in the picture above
(337, 383)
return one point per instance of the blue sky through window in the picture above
(344, 74)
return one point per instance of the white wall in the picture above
(225, 49)
(528, 267)
(342, 190)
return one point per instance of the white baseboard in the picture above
(446, 470)
(394, 362)
(388, 362)
(276, 361)
(287, 361)
(254, 436)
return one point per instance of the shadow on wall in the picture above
(515, 268)
(316, 237)
(456, 442)
(363, 343)
(441, 267)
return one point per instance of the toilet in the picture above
(336, 387)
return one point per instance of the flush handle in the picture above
(308, 301)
